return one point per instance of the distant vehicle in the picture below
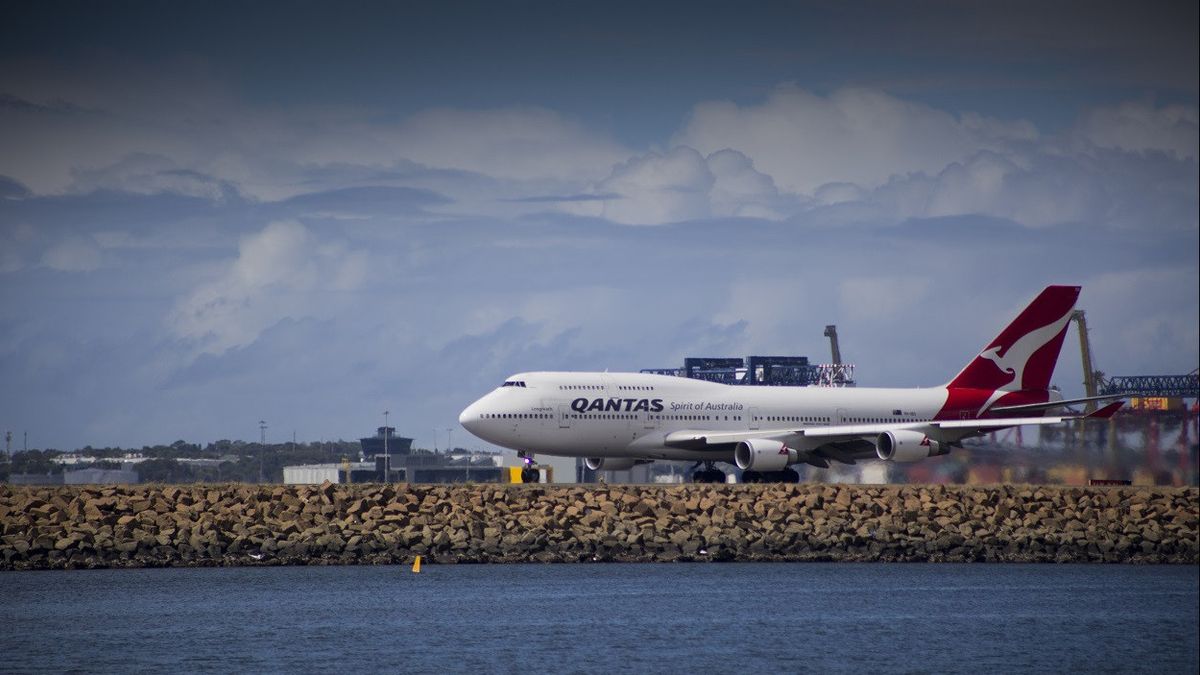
(617, 420)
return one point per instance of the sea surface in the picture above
(602, 618)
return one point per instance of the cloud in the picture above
(883, 299)
(1139, 127)
(73, 254)
(1137, 323)
(854, 135)
(655, 188)
(863, 156)
(11, 189)
(520, 143)
(172, 126)
(143, 173)
(283, 271)
(325, 261)
(739, 190)
(679, 185)
(1049, 190)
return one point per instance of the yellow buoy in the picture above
(417, 565)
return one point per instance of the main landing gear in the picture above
(784, 476)
(709, 474)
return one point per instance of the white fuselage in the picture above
(630, 414)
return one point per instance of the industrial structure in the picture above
(1156, 408)
(763, 371)
(390, 458)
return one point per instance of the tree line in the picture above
(232, 461)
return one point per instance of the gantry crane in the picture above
(831, 333)
(1091, 378)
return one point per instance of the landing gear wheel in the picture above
(781, 476)
(530, 475)
(708, 474)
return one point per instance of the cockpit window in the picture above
(513, 383)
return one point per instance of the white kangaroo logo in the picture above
(1016, 358)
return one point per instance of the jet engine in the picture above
(760, 454)
(907, 446)
(611, 463)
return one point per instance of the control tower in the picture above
(372, 446)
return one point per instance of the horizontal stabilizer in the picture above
(1106, 412)
(1050, 405)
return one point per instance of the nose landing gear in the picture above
(529, 474)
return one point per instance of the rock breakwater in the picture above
(234, 524)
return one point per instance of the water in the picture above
(629, 618)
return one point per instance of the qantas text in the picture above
(617, 405)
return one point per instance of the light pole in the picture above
(262, 448)
(387, 459)
(449, 445)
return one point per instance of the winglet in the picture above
(1106, 412)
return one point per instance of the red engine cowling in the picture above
(760, 454)
(907, 446)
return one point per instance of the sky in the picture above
(308, 213)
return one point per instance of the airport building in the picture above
(401, 463)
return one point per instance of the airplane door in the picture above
(840, 417)
(752, 416)
(564, 416)
(649, 421)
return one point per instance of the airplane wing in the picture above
(846, 442)
(954, 430)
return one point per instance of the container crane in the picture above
(831, 333)
(1090, 376)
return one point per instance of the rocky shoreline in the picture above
(77, 527)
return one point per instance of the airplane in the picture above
(617, 420)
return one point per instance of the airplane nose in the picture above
(469, 417)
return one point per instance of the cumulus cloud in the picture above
(283, 271)
(740, 190)
(1052, 191)
(1139, 127)
(959, 212)
(679, 185)
(655, 188)
(854, 135)
(179, 131)
(863, 156)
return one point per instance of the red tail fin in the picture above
(1024, 354)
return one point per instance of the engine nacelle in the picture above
(760, 454)
(611, 463)
(904, 445)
